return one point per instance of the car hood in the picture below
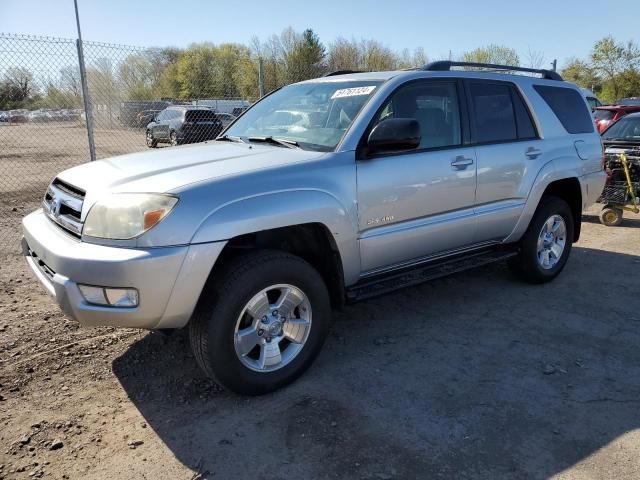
(169, 169)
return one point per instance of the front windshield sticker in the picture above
(352, 92)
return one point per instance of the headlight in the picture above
(122, 216)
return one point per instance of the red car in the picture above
(605, 116)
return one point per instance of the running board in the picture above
(383, 284)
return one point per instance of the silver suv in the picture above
(324, 192)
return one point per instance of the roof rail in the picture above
(341, 72)
(445, 66)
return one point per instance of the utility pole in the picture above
(88, 113)
(554, 64)
(260, 77)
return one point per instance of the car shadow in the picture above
(475, 375)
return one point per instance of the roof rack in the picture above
(445, 66)
(341, 72)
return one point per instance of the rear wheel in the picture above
(546, 245)
(611, 216)
(151, 142)
(261, 322)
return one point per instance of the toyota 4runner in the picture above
(324, 192)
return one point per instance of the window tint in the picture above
(569, 106)
(434, 106)
(524, 124)
(200, 115)
(493, 113)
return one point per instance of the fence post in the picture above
(88, 112)
(260, 77)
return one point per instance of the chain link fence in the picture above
(44, 122)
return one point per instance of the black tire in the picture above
(151, 142)
(526, 265)
(211, 329)
(173, 139)
(611, 216)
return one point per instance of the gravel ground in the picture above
(471, 376)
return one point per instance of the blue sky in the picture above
(559, 29)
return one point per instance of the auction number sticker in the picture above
(352, 92)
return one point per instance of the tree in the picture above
(343, 55)
(365, 55)
(618, 64)
(534, 59)
(582, 74)
(497, 54)
(16, 87)
(303, 56)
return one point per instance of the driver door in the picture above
(419, 203)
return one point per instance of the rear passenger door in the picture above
(508, 151)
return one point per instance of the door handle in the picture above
(461, 162)
(533, 152)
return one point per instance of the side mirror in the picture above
(394, 135)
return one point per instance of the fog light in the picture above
(122, 297)
(110, 297)
(93, 295)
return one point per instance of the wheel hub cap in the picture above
(551, 241)
(272, 328)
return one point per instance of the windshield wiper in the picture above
(275, 141)
(231, 138)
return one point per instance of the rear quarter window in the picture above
(569, 106)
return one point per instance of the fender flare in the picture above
(548, 174)
(284, 208)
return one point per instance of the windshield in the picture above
(627, 128)
(314, 116)
(603, 114)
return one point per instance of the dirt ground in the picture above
(472, 376)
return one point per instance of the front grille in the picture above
(63, 205)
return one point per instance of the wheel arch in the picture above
(569, 190)
(313, 242)
(312, 224)
(551, 180)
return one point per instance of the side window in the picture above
(524, 124)
(493, 112)
(569, 106)
(434, 105)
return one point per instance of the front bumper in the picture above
(169, 279)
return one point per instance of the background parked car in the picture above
(19, 116)
(146, 116)
(629, 101)
(591, 98)
(183, 124)
(607, 115)
(225, 119)
(4, 116)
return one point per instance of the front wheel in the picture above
(173, 139)
(546, 245)
(261, 322)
